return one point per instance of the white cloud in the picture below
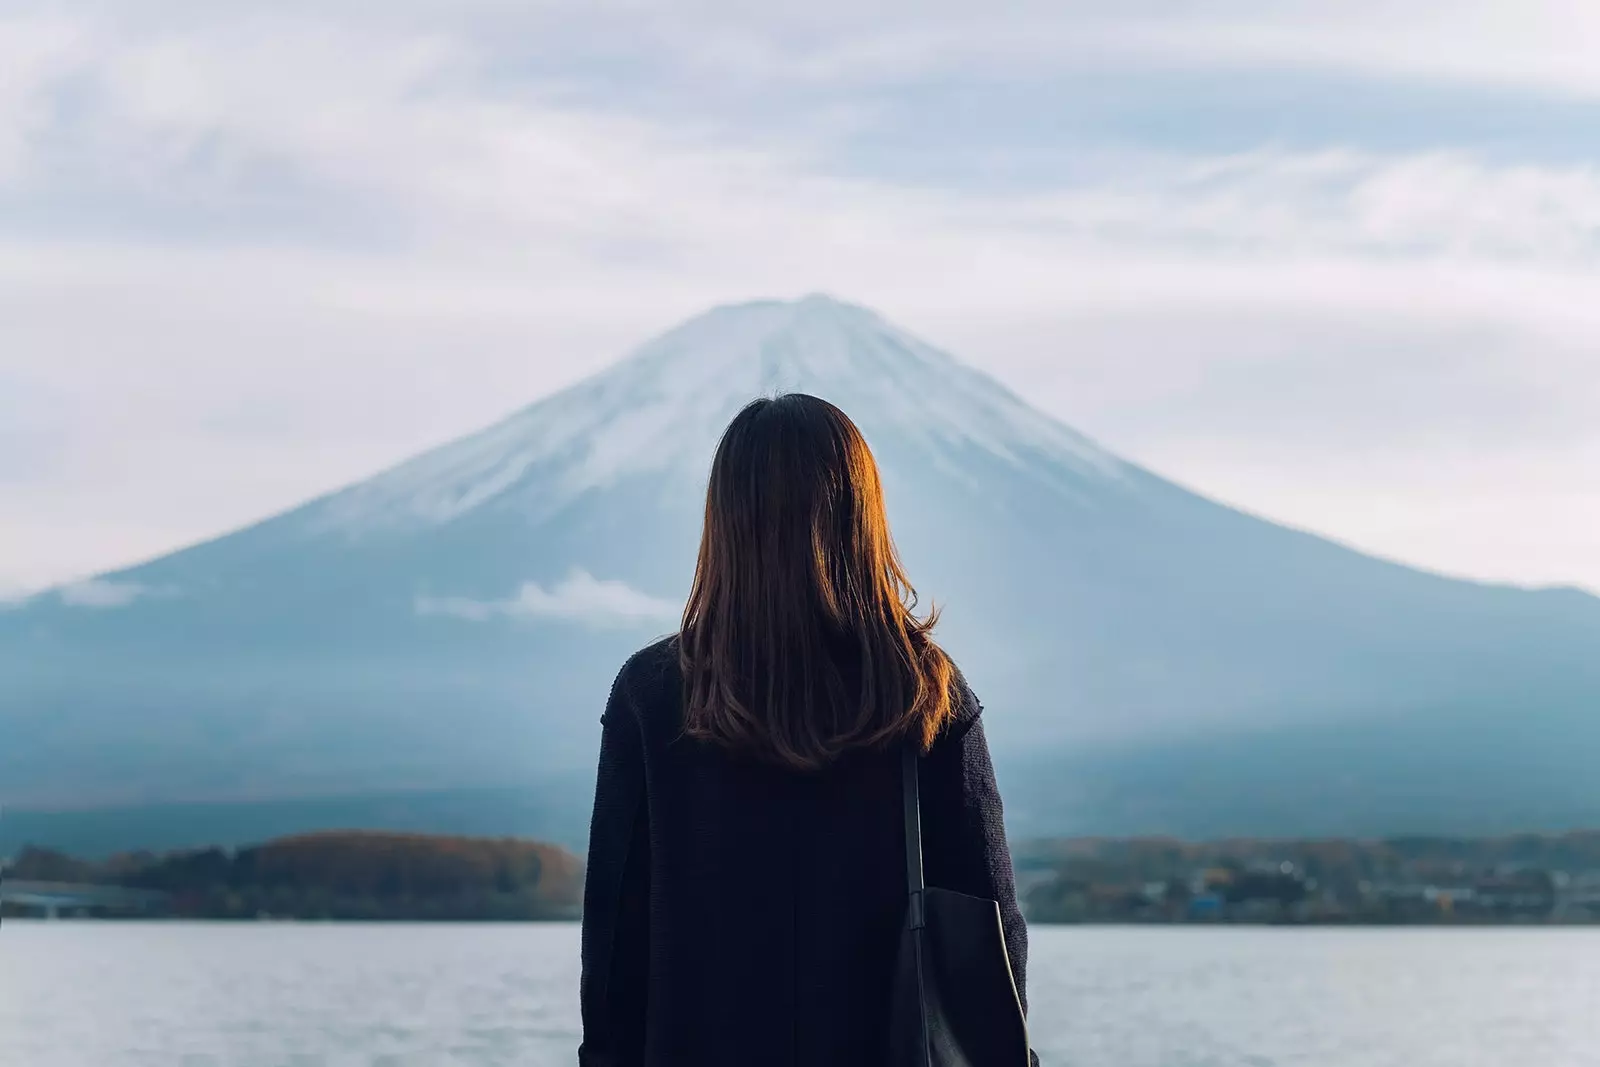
(579, 597)
(1539, 44)
(1431, 206)
(1543, 44)
(101, 593)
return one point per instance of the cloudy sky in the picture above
(1335, 262)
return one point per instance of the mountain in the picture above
(433, 645)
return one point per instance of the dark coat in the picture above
(740, 915)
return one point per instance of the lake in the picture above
(316, 995)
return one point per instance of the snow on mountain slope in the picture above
(660, 412)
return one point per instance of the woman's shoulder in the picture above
(965, 707)
(651, 674)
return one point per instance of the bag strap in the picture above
(913, 822)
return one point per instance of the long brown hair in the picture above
(800, 640)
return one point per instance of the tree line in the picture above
(346, 875)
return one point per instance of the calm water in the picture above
(186, 995)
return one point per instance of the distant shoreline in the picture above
(356, 876)
(375, 877)
(1524, 880)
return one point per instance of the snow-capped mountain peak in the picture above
(660, 411)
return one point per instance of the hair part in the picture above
(800, 639)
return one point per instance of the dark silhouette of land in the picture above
(371, 875)
(1527, 878)
(338, 875)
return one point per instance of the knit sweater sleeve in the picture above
(964, 833)
(616, 934)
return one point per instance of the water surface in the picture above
(320, 995)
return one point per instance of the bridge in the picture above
(54, 898)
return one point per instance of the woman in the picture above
(746, 881)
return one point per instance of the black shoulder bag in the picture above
(955, 1000)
